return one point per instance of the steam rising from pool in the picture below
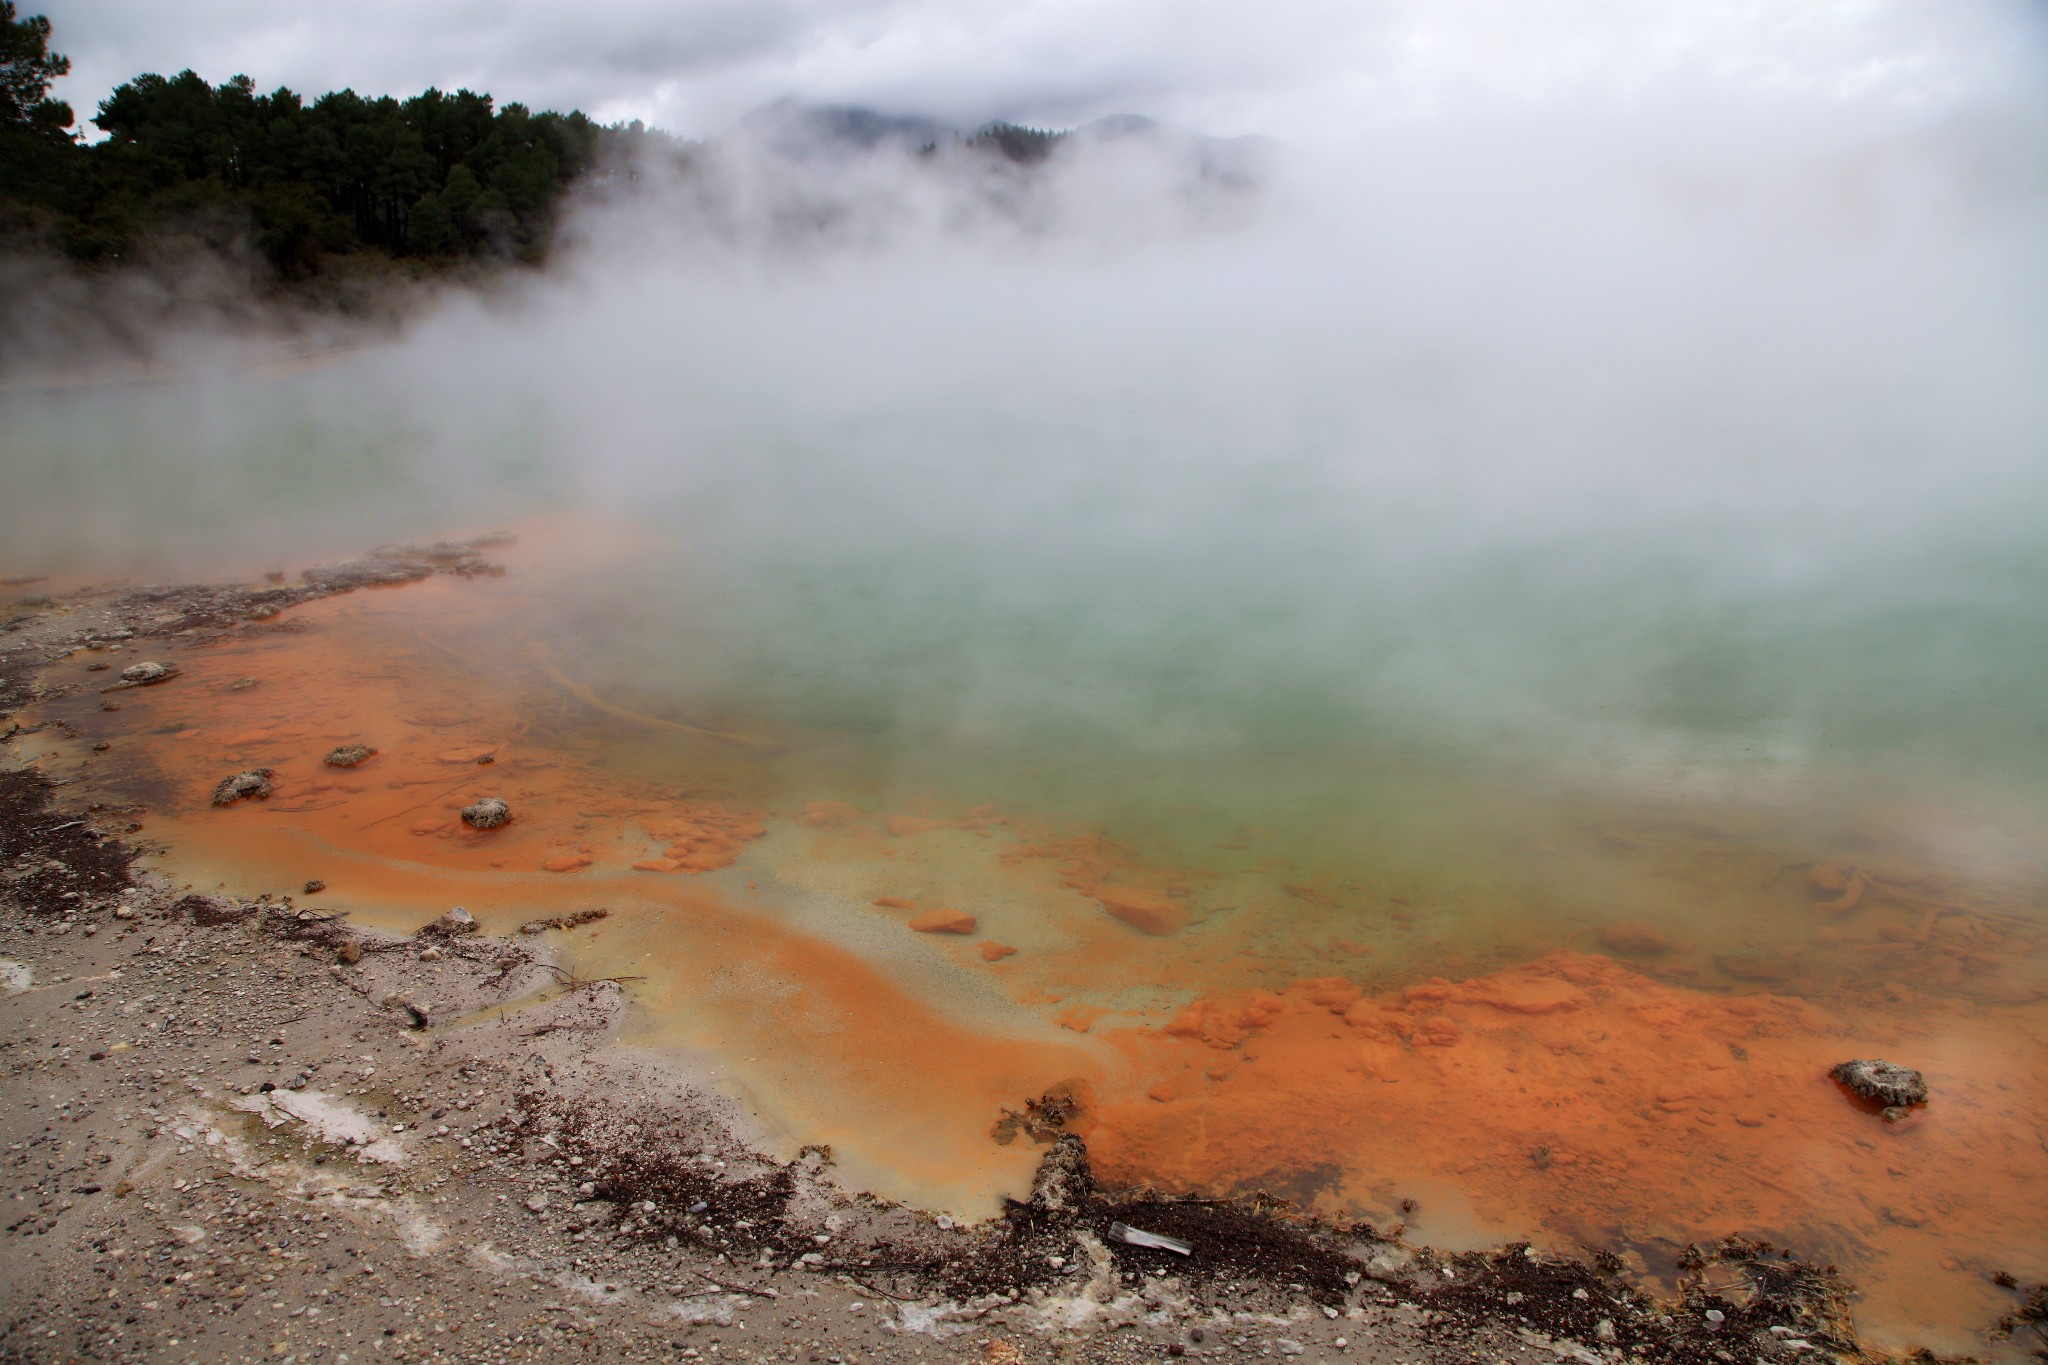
(1669, 438)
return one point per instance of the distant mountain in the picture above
(1245, 159)
(799, 130)
(802, 131)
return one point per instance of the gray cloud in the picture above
(1296, 68)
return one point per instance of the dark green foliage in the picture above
(27, 66)
(436, 177)
(1025, 146)
(34, 129)
(428, 229)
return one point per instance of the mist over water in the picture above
(1681, 442)
(1477, 484)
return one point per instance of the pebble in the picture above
(250, 782)
(1883, 1082)
(488, 813)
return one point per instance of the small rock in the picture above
(315, 887)
(537, 1204)
(430, 955)
(417, 1009)
(350, 952)
(456, 922)
(254, 782)
(143, 674)
(1881, 1082)
(348, 755)
(124, 912)
(488, 813)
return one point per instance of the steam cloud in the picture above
(1693, 423)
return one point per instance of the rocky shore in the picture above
(242, 1129)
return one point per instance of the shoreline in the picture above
(479, 1036)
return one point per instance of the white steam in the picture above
(1673, 395)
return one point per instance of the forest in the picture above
(341, 188)
(431, 180)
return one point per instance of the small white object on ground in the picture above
(1158, 1241)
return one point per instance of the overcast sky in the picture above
(1293, 68)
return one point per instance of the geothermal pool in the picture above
(1580, 983)
(1452, 699)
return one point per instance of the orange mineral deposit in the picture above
(943, 922)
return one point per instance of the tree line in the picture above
(434, 178)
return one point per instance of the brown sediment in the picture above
(943, 921)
